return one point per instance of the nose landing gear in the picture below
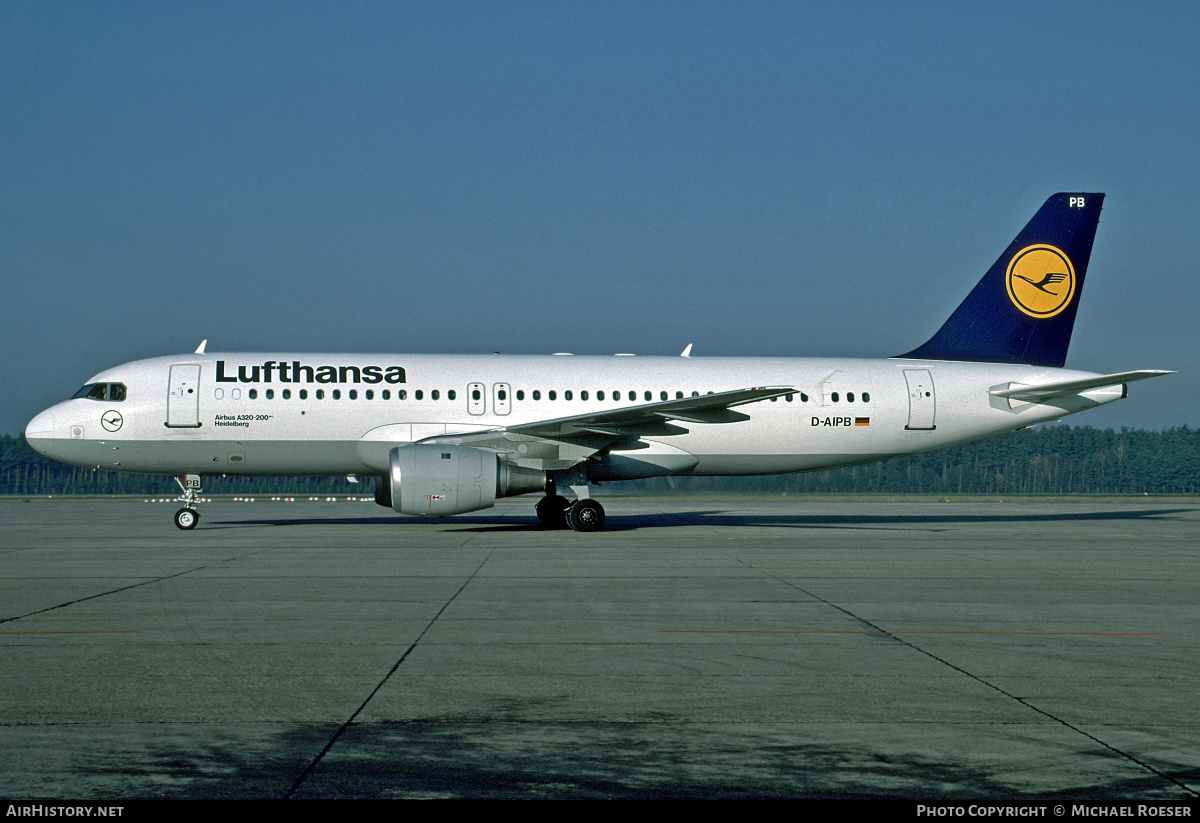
(187, 517)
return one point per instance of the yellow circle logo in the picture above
(1041, 281)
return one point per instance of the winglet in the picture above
(687, 352)
(200, 348)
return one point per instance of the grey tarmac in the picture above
(734, 648)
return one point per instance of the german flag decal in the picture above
(862, 421)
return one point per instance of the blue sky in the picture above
(753, 178)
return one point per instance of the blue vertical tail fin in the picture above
(1023, 309)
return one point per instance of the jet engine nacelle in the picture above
(442, 480)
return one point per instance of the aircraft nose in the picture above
(39, 433)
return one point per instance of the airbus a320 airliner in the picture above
(449, 434)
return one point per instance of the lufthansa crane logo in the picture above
(1041, 281)
(111, 420)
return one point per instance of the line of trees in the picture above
(1044, 460)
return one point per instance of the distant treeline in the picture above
(1044, 460)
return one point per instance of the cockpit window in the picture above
(112, 392)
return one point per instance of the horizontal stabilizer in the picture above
(1063, 388)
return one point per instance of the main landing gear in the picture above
(585, 515)
(187, 517)
(556, 512)
(552, 511)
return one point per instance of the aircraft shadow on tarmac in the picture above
(617, 522)
(481, 756)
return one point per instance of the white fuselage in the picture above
(177, 417)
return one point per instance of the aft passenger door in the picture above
(183, 396)
(922, 401)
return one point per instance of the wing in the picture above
(705, 408)
(562, 442)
